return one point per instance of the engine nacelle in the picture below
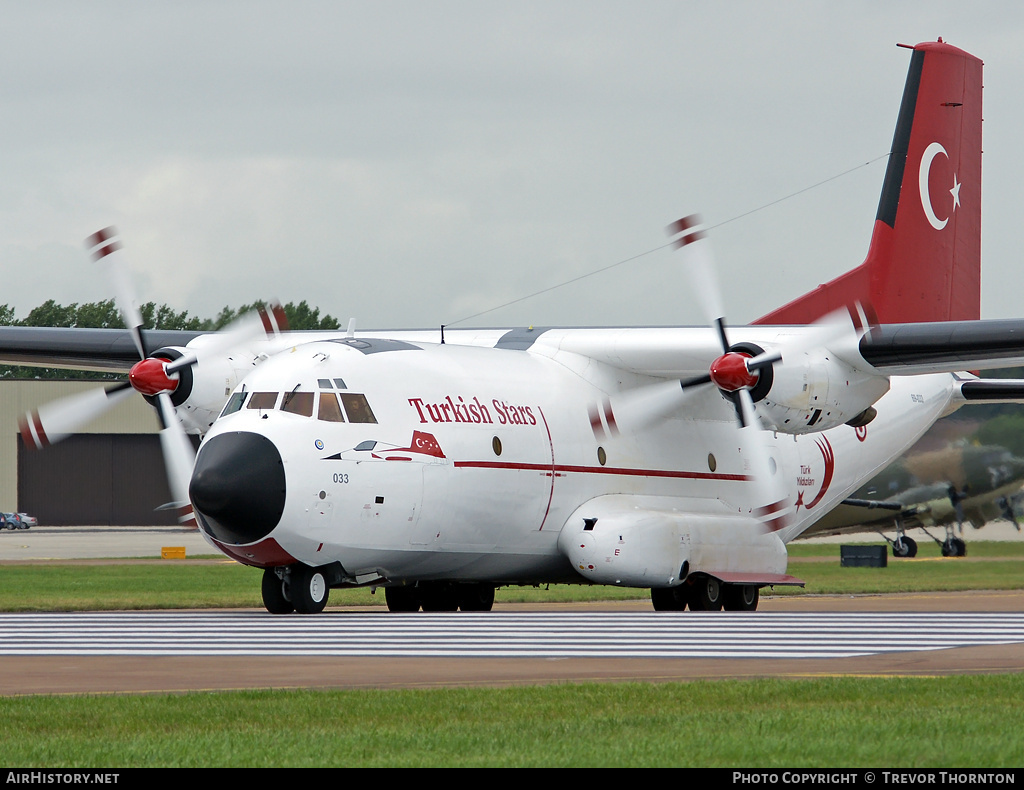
(632, 541)
(814, 391)
(204, 387)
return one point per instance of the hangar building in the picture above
(112, 473)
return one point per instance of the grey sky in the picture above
(415, 163)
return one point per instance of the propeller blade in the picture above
(734, 374)
(107, 250)
(55, 421)
(822, 333)
(264, 323)
(179, 459)
(770, 493)
(642, 407)
(700, 267)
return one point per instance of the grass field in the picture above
(970, 721)
(88, 586)
(963, 721)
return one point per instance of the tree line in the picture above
(105, 315)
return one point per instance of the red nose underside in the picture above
(730, 372)
(149, 378)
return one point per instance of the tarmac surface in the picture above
(161, 674)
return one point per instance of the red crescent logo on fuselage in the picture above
(829, 457)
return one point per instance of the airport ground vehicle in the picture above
(17, 521)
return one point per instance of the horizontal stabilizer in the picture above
(993, 390)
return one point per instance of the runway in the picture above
(502, 635)
(180, 651)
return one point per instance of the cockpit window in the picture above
(300, 403)
(234, 403)
(329, 410)
(357, 408)
(324, 384)
(262, 400)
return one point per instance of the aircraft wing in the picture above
(860, 515)
(944, 347)
(892, 349)
(104, 350)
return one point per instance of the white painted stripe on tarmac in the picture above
(504, 635)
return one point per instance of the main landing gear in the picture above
(953, 547)
(706, 594)
(440, 597)
(903, 546)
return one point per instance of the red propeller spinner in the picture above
(149, 377)
(729, 372)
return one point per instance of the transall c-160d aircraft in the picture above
(682, 460)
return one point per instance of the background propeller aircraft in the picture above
(937, 488)
(681, 460)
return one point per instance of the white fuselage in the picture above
(478, 456)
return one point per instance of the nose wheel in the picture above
(309, 589)
(276, 593)
(298, 588)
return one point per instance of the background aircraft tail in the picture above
(924, 261)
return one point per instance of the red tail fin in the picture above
(924, 262)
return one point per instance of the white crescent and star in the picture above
(927, 158)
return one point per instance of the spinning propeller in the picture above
(736, 372)
(153, 377)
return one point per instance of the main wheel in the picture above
(954, 547)
(308, 589)
(668, 599)
(904, 547)
(439, 597)
(402, 599)
(706, 595)
(740, 597)
(476, 597)
(275, 593)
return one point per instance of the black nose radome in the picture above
(237, 487)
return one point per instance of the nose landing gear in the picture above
(295, 588)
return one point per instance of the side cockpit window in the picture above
(234, 403)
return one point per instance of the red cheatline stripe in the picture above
(565, 468)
